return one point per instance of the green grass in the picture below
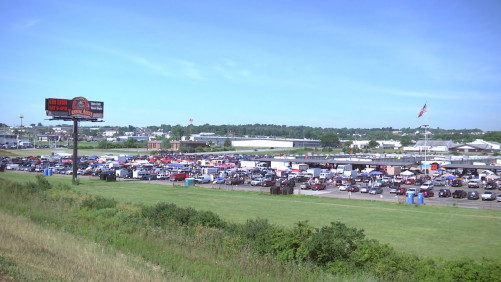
(430, 231)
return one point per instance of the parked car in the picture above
(427, 192)
(268, 182)
(288, 183)
(398, 180)
(491, 185)
(376, 190)
(256, 182)
(488, 196)
(409, 181)
(305, 185)
(418, 181)
(393, 189)
(344, 187)
(427, 185)
(473, 195)
(234, 181)
(318, 186)
(413, 190)
(365, 189)
(498, 198)
(439, 182)
(202, 179)
(218, 180)
(474, 183)
(444, 193)
(459, 194)
(401, 191)
(457, 183)
(354, 188)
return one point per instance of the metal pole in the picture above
(75, 150)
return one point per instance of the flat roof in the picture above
(470, 166)
(334, 161)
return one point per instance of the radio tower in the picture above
(191, 125)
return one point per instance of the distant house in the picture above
(8, 139)
(48, 137)
(176, 145)
(473, 148)
(495, 146)
(154, 145)
(435, 146)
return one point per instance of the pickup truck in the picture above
(202, 179)
(474, 183)
(178, 176)
(459, 194)
(488, 196)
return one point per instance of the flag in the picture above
(423, 110)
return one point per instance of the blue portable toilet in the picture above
(189, 181)
(45, 171)
(420, 198)
(410, 198)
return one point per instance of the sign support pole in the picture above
(75, 150)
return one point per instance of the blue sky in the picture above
(355, 64)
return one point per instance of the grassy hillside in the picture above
(431, 231)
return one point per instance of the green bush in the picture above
(160, 214)
(333, 243)
(207, 219)
(97, 203)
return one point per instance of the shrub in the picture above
(97, 203)
(207, 219)
(160, 214)
(332, 243)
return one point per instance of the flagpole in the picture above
(425, 140)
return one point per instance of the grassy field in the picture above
(34, 253)
(431, 231)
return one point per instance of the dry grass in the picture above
(43, 254)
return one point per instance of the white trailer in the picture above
(280, 165)
(315, 172)
(301, 167)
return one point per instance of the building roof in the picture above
(434, 143)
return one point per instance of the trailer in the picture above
(301, 167)
(315, 172)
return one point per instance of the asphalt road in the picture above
(333, 192)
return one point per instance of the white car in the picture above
(488, 196)
(344, 187)
(427, 185)
(365, 189)
(256, 181)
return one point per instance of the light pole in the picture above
(21, 116)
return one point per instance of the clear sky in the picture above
(355, 64)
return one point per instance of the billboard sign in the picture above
(78, 107)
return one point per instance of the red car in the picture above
(353, 188)
(234, 181)
(427, 192)
(268, 182)
(318, 186)
(401, 191)
(409, 181)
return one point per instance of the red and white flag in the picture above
(423, 110)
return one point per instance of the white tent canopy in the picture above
(407, 173)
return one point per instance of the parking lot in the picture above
(333, 192)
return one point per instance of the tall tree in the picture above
(330, 140)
